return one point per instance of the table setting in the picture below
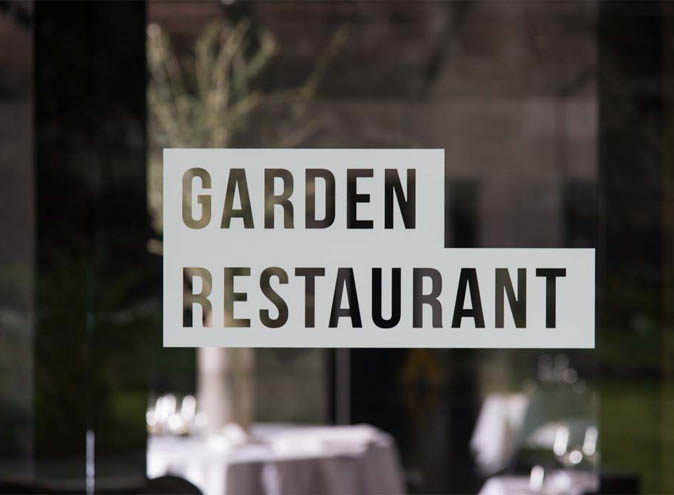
(542, 440)
(273, 458)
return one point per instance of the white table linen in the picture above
(497, 429)
(283, 459)
(558, 483)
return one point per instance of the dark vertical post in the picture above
(667, 426)
(461, 215)
(629, 307)
(17, 241)
(462, 225)
(92, 273)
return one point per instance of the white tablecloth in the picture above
(560, 483)
(496, 430)
(283, 459)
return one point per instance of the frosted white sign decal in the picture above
(345, 248)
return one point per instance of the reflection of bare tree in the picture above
(206, 100)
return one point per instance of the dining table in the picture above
(276, 459)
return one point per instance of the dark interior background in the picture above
(509, 90)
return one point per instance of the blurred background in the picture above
(557, 123)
